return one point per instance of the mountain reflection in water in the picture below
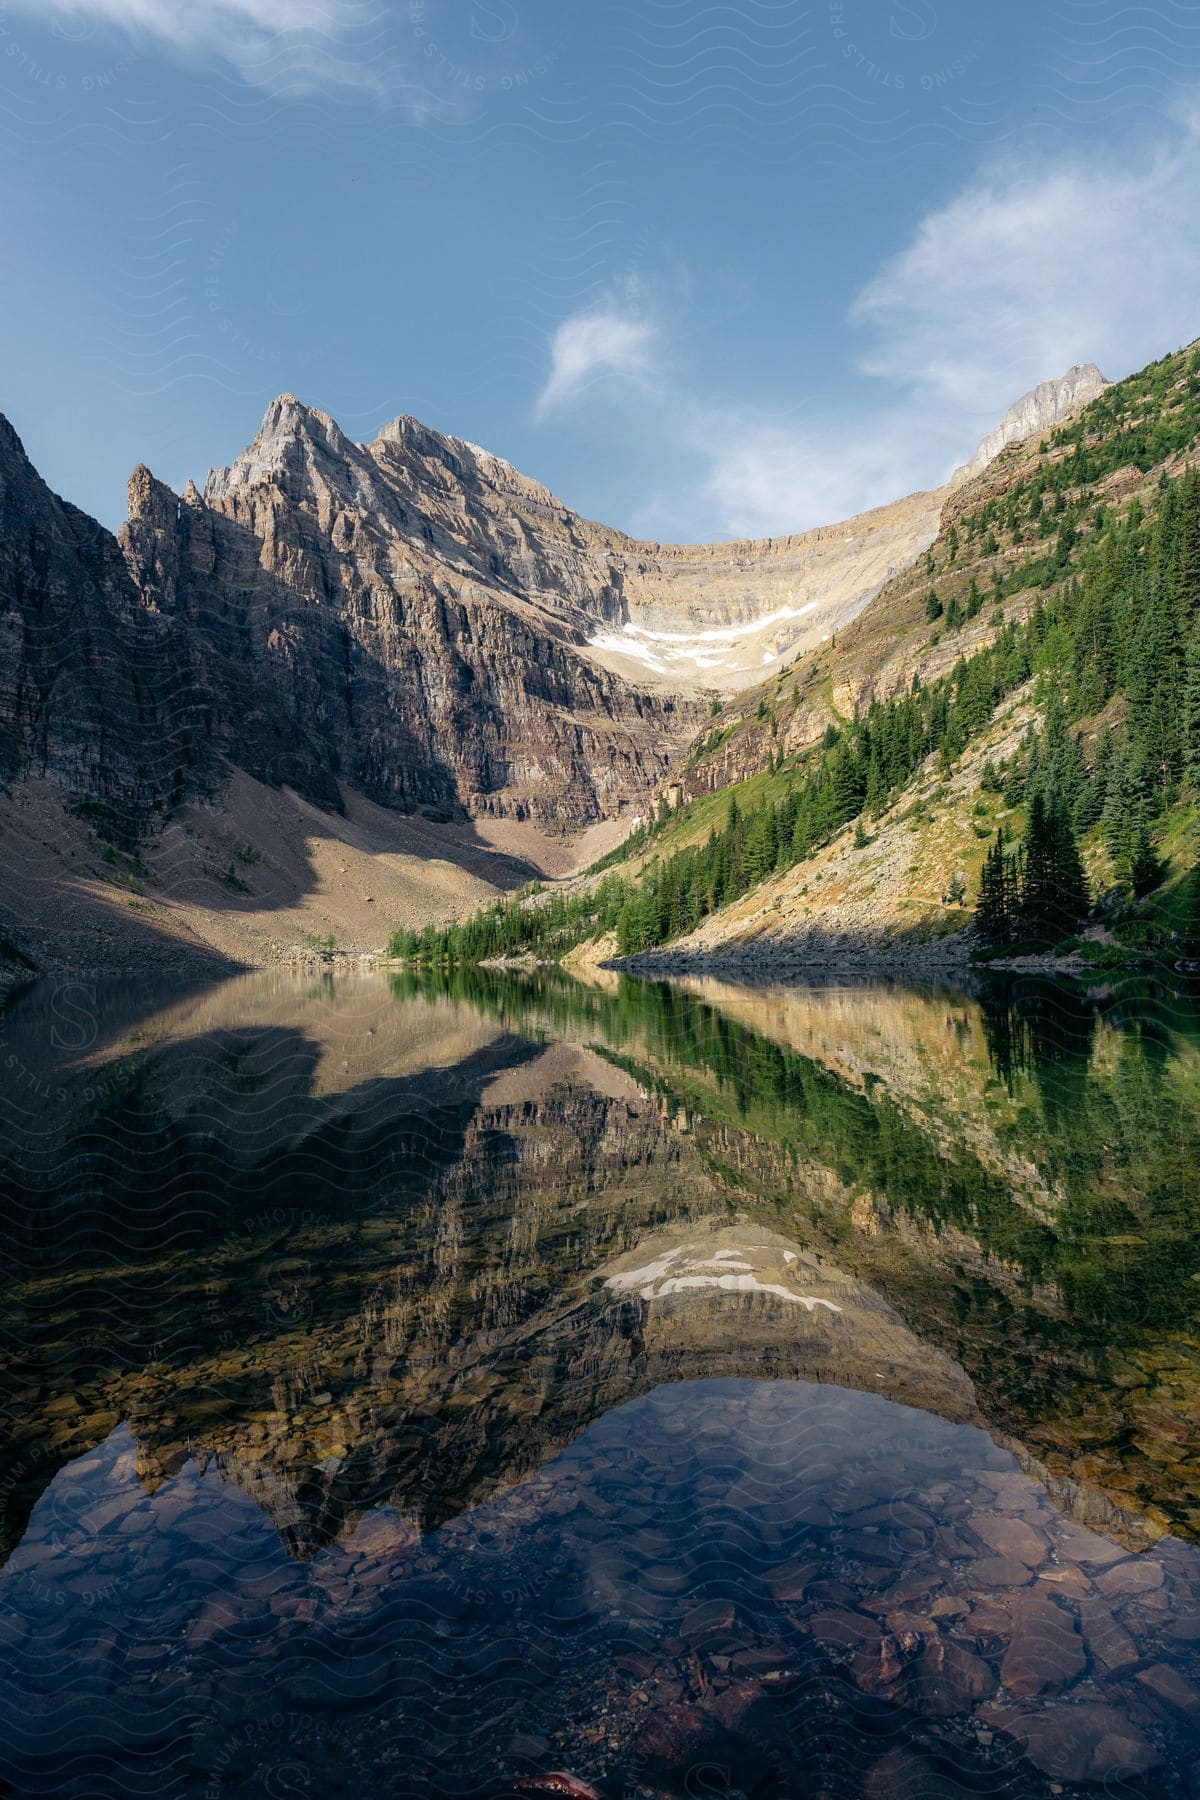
(411, 1386)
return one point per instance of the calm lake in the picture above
(424, 1386)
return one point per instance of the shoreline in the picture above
(781, 961)
(947, 958)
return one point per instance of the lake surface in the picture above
(429, 1386)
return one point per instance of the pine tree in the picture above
(1089, 802)
(1190, 720)
(995, 915)
(1145, 869)
(849, 784)
(1054, 892)
(1122, 804)
(1069, 875)
(1039, 901)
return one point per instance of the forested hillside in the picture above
(1068, 576)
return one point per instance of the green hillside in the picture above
(1067, 575)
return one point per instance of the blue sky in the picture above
(708, 270)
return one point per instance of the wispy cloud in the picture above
(615, 339)
(274, 42)
(1036, 264)
(766, 479)
(1041, 263)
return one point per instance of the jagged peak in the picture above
(10, 439)
(146, 492)
(288, 420)
(289, 432)
(412, 434)
(1043, 406)
(457, 454)
(292, 432)
(287, 413)
(411, 431)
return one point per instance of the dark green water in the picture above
(420, 1386)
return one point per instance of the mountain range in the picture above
(397, 676)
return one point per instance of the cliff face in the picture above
(411, 620)
(1044, 406)
(424, 510)
(95, 694)
(398, 610)
(440, 632)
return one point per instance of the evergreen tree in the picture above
(1122, 804)
(1039, 897)
(1054, 894)
(1190, 720)
(1145, 869)
(996, 913)
(1089, 801)
(1070, 877)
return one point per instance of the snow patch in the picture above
(658, 649)
(664, 1276)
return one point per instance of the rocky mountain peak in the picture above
(465, 461)
(411, 434)
(291, 439)
(10, 443)
(1044, 406)
(411, 618)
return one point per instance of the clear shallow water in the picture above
(412, 1390)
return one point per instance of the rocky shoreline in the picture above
(843, 955)
(776, 961)
(801, 960)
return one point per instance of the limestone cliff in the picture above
(411, 621)
(672, 617)
(1044, 406)
(426, 652)
(94, 690)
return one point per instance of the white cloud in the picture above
(1041, 263)
(766, 479)
(1036, 264)
(275, 42)
(615, 338)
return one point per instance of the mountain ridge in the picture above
(1043, 651)
(408, 624)
(1042, 407)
